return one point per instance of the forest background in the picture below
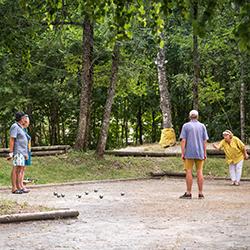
(88, 73)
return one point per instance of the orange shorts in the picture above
(189, 163)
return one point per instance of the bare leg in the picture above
(22, 176)
(19, 177)
(14, 179)
(189, 180)
(200, 180)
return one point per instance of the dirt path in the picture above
(148, 216)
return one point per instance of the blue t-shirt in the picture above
(21, 141)
(195, 134)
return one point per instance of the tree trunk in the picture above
(53, 122)
(242, 102)
(163, 87)
(139, 124)
(6, 136)
(108, 106)
(153, 130)
(196, 60)
(87, 81)
(125, 121)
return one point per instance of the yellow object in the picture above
(168, 137)
(189, 163)
(233, 151)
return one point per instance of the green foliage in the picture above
(212, 92)
(40, 68)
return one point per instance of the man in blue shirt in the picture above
(193, 151)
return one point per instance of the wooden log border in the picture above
(159, 175)
(49, 215)
(210, 152)
(42, 150)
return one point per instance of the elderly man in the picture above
(193, 148)
(19, 152)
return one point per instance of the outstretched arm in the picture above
(245, 153)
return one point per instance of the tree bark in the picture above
(139, 126)
(53, 122)
(87, 82)
(242, 102)
(109, 102)
(196, 61)
(153, 131)
(163, 87)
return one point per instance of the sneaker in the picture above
(186, 196)
(201, 196)
(233, 183)
(236, 183)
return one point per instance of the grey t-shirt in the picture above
(21, 141)
(195, 134)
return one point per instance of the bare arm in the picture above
(12, 142)
(205, 150)
(183, 146)
(216, 146)
(245, 153)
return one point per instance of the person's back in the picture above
(195, 134)
(193, 151)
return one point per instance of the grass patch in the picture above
(12, 207)
(79, 166)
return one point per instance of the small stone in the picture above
(100, 196)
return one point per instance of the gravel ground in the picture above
(149, 216)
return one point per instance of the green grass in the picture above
(12, 207)
(78, 166)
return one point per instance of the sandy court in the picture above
(149, 216)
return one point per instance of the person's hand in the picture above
(246, 156)
(26, 157)
(183, 157)
(215, 146)
(10, 156)
(205, 157)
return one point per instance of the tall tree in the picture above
(163, 88)
(196, 57)
(108, 106)
(242, 100)
(87, 82)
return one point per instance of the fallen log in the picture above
(141, 154)
(47, 153)
(41, 150)
(158, 175)
(166, 173)
(156, 154)
(51, 148)
(49, 215)
(210, 152)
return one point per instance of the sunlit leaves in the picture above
(211, 92)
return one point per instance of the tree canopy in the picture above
(42, 62)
